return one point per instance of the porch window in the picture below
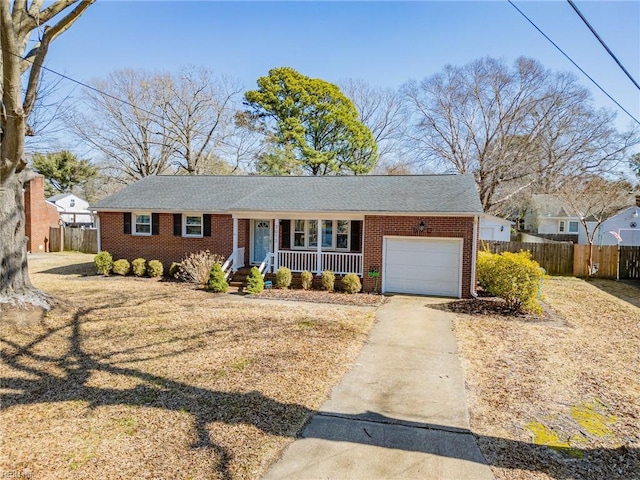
(299, 228)
(142, 224)
(573, 227)
(334, 234)
(192, 226)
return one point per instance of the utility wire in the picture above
(586, 22)
(117, 99)
(574, 63)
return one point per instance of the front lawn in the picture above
(139, 378)
(557, 396)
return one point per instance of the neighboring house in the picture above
(550, 217)
(73, 210)
(495, 228)
(417, 232)
(39, 216)
(626, 224)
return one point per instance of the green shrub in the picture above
(255, 282)
(196, 267)
(217, 283)
(514, 277)
(283, 277)
(121, 267)
(351, 283)
(328, 280)
(103, 262)
(306, 279)
(173, 269)
(139, 267)
(155, 268)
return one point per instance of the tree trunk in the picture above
(15, 288)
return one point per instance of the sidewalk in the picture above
(399, 413)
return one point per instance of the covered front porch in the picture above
(298, 242)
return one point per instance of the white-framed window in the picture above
(141, 223)
(191, 225)
(334, 234)
(573, 227)
(561, 226)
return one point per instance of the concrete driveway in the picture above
(399, 413)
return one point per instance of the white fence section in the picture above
(342, 263)
(338, 262)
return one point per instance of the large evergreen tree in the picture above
(62, 171)
(313, 126)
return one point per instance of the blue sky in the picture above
(383, 43)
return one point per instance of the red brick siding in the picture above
(377, 227)
(165, 246)
(39, 216)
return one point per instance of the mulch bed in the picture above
(320, 296)
(493, 306)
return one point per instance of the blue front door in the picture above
(261, 240)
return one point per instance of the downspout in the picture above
(97, 217)
(474, 255)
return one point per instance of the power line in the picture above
(586, 22)
(117, 99)
(574, 63)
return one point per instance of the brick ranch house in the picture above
(419, 232)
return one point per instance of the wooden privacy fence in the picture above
(73, 239)
(555, 258)
(573, 259)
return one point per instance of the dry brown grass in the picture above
(572, 382)
(139, 378)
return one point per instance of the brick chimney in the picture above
(39, 216)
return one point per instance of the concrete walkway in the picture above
(399, 413)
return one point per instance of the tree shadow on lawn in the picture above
(87, 269)
(253, 408)
(626, 290)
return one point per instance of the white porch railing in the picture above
(233, 263)
(340, 263)
(265, 266)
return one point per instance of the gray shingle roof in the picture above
(394, 194)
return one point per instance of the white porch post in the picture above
(235, 243)
(276, 243)
(319, 249)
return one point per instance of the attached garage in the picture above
(423, 266)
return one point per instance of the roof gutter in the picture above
(474, 256)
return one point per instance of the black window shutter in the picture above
(126, 219)
(155, 224)
(356, 227)
(206, 225)
(177, 224)
(285, 228)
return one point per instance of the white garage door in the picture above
(423, 266)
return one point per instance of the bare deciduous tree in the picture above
(170, 123)
(594, 199)
(21, 73)
(380, 109)
(515, 129)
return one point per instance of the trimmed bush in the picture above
(217, 283)
(306, 279)
(173, 269)
(155, 268)
(121, 267)
(283, 277)
(139, 267)
(328, 280)
(351, 283)
(514, 277)
(196, 267)
(103, 262)
(255, 282)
